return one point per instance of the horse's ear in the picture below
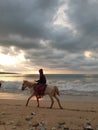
(24, 80)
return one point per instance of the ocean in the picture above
(71, 84)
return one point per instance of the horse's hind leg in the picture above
(37, 101)
(58, 102)
(52, 101)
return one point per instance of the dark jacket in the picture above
(42, 79)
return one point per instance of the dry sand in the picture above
(14, 115)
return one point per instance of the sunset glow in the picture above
(88, 54)
(7, 60)
(34, 98)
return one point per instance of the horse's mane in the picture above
(30, 82)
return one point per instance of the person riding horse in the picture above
(41, 84)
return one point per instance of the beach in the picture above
(78, 97)
(75, 114)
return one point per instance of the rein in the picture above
(30, 85)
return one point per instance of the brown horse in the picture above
(52, 92)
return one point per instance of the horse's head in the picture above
(27, 84)
(24, 85)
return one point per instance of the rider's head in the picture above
(41, 71)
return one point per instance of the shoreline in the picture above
(62, 97)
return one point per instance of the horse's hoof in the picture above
(61, 107)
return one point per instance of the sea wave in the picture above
(65, 87)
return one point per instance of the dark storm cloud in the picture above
(21, 42)
(28, 26)
(26, 18)
(82, 15)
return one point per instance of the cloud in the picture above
(53, 34)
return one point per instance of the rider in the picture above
(41, 82)
(42, 78)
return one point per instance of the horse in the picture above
(51, 92)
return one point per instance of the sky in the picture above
(60, 36)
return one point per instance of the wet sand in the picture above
(76, 113)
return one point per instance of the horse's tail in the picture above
(56, 91)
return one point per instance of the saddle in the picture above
(40, 89)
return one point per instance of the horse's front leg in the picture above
(29, 99)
